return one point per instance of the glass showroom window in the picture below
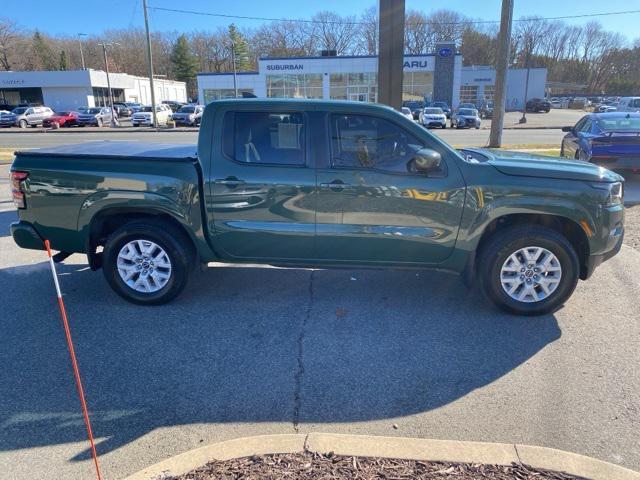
(354, 86)
(469, 94)
(211, 94)
(488, 93)
(417, 86)
(303, 85)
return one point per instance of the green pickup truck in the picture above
(320, 184)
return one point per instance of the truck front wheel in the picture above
(147, 262)
(528, 270)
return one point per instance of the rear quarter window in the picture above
(270, 138)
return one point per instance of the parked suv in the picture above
(26, 116)
(538, 105)
(629, 104)
(144, 117)
(188, 115)
(97, 116)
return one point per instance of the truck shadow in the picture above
(247, 345)
(6, 217)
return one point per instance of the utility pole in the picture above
(391, 52)
(81, 53)
(502, 65)
(526, 93)
(233, 61)
(106, 69)
(150, 58)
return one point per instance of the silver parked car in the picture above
(26, 116)
(188, 115)
(96, 116)
(465, 117)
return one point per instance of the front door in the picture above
(373, 207)
(261, 188)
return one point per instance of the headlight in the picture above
(615, 192)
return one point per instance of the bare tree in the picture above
(8, 37)
(367, 42)
(418, 33)
(333, 32)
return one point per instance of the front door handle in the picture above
(335, 186)
(231, 182)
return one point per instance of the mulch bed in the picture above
(306, 466)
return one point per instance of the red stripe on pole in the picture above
(74, 362)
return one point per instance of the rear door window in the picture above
(275, 138)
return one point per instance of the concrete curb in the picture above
(390, 447)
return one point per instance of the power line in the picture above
(340, 22)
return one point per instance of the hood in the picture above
(530, 165)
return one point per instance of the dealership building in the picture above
(438, 76)
(66, 90)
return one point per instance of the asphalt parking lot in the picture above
(250, 351)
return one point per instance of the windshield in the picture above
(19, 110)
(62, 114)
(620, 124)
(145, 109)
(93, 111)
(187, 110)
(440, 104)
(433, 111)
(468, 112)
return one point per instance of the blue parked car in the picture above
(611, 140)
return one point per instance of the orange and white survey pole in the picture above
(74, 362)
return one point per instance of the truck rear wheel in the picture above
(148, 262)
(528, 270)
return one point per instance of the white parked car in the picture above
(433, 117)
(144, 117)
(629, 104)
(406, 111)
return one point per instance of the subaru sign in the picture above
(445, 52)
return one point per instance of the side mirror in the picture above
(567, 129)
(427, 160)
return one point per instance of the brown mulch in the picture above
(632, 227)
(307, 466)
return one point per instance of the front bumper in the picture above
(26, 236)
(609, 239)
(142, 121)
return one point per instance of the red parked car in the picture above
(61, 119)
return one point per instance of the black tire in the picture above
(23, 124)
(174, 242)
(444, 125)
(504, 243)
(99, 123)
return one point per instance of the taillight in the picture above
(16, 188)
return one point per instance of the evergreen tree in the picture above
(240, 48)
(63, 60)
(184, 64)
(44, 56)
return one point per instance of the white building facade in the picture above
(433, 77)
(341, 78)
(66, 90)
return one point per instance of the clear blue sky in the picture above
(93, 16)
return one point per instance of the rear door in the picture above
(373, 207)
(262, 184)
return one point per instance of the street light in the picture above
(106, 68)
(80, 43)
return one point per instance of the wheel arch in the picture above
(108, 220)
(567, 227)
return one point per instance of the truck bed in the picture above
(117, 149)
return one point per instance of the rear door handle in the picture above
(230, 182)
(335, 186)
